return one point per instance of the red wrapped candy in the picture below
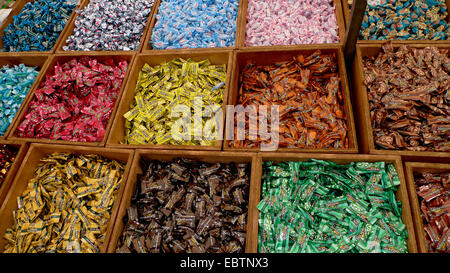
(76, 102)
(7, 157)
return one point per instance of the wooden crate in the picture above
(270, 56)
(366, 138)
(117, 134)
(22, 150)
(18, 6)
(29, 59)
(50, 69)
(402, 194)
(148, 47)
(410, 169)
(167, 155)
(347, 14)
(241, 29)
(27, 169)
(71, 28)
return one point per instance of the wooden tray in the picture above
(26, 172)
(61, 58)
(148, 47)
(241, 29)
(29, 59)
(155, 58)
(402, 194)
(22, 150)
(347, 12)
(362, 111)
(410, 169)
(272, 55)
(71, 28)
(17, 8)
(211, 157)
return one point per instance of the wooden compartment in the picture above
(347, 13)
(22, 150)
(29, 59)
(155, 58)
(210, 157)
(61, 58)
(17, 8)
(402, 194)
(241, 29)
(410, 169)
(71, 28)
(146, 47)
(270, 56)
(27, 169)
(362, 111)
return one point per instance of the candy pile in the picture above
(406, 20)
(7, 156)
(110, 25)
(66, 206)
(309, 94)
(195, 24)
(37, 26)
(433, 190)
(193, 85)
(319, 206)
(188, 206)
(409, 100)
(15, 82)
(75, 103)
(288, 22)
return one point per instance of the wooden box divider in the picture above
(17, 8)
(241, 29)
(346, 10)
(29, 59)
(167, 155)
(402, 194)
(61, 58)
(270, 56)
(27, 169)
(410, 169)
(362, 111)
(154, 58)
(147, 47)
(71, 29)
(22, 150)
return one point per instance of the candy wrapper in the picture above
(195, 24)
(66, 206)
(37, 26)
(15, 82)
(308, 92)
(433, 191)
(7, 156)
(291, 22)
(408, 91)
(185, 206)
(322, 207)
(161, 89)
(110, 25)
(405, 20)
(75, 103)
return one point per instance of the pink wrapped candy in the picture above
(291, 22)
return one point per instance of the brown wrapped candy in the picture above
(187, 206)
(408, 91)
(433, 192)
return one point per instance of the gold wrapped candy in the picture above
(66, 206)
(161, 89)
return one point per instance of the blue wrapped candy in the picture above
(195, 24)
(15, 83)
(37, 26)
